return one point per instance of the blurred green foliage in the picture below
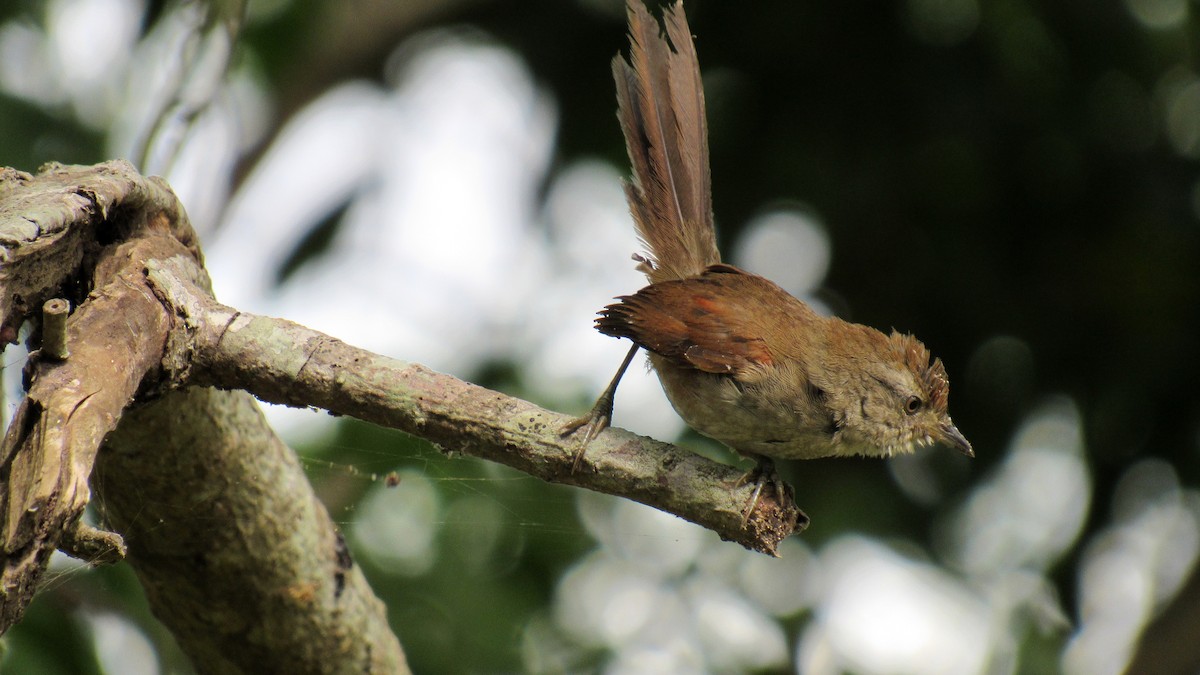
(1018, 179)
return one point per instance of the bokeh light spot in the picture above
(789, 247)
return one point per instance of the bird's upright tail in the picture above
(661, 109)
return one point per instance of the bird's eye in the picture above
(912, 405)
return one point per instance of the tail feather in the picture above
(661, 109)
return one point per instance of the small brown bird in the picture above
(741, 360)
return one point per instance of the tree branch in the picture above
(266, 581)
(116, 337)
(283, 362)
(236, 554)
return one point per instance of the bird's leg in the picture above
(762, 473)
(601, 414)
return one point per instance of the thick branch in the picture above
(117, 336)
(50, 222)
(283, 362)
(236, 554)
(264, 582)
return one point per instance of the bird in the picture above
(741, 360)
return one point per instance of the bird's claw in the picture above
(762, 473)
(595, 422)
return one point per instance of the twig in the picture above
(92, 545)
(54, 329)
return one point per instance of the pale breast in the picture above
(716, 406)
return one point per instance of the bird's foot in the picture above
(762, 474)
(601, 414)
(593, 423)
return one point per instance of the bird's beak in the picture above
(954, 438)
